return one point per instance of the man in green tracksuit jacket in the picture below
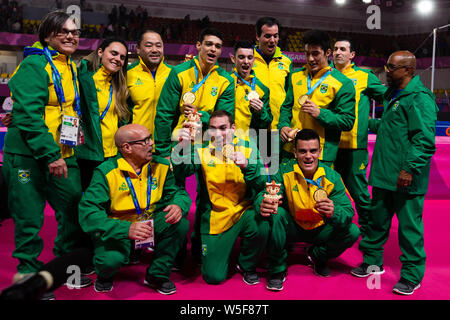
(352, 158)
(400, 172)
(227, 183)
(125, 189)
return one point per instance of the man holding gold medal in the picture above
(319, 98)
(199, 85)
(252, 96)
(134, 196)
(228, 172)
(314, 209)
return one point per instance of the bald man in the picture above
(400, 172)
(134, 197)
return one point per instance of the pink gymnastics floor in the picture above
(301, 283)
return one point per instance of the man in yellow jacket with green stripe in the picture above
(146, 78)
(353, 158)
(198, 84)
(315, 209)
(125, 193)
(252, 96)
(319, 98)
(228, 172)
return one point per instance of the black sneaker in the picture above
(275, 282)
(88, 270)
(84, 282)
(320, 267)
(364, 270)
(48, 296)
(405, 287)
(103, 285)
(163, 286)
(250, 278)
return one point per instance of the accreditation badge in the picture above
(189, 97)
(70, 130)
(150, 241)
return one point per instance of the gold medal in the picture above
(227, 150)
(189, 97)
(253, 95)
(302, 99)
(320, 194)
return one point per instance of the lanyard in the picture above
(56, 77)
(251, 85)
(133, 193)
(395, 95)
(109, 102)
(198, 85)
(318, 83)
(315, 183)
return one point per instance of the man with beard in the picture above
(146, 78)
(400, 172)
(134, 197)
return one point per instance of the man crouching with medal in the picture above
(314, 209)
(134, 196)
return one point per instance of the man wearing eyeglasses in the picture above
(400, 172)
(134, 196)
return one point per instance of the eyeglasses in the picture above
(392, 67)
(142, 142)
(65, 32)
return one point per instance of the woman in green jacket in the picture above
(103, 91)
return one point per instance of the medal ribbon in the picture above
(318, 83)
(251, 85)
(56, 77)
(315, 183)
(198, 85)
(133, 192)
(109, 103)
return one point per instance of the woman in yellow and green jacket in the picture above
(104, 106)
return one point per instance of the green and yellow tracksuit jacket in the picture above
(217, 93)
(405, 138)
(298, 195)
(107, 210)
(367, 86)
(224, 191)
(145, 91)
(244, 116)
(98, 135)
(275, 76)
(36, 114)
(336, 99)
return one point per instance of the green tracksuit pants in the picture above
(216, 248)
(409, 210)
(352, 166)
(328, 241)
(30, 185)
(111, 255)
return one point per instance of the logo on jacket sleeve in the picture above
(214, 91)
(24, 175)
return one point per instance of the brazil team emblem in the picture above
(204, 249)
(354, 81)
(396, 105)
(323, 88)
(23, 175)
(214, 91)
(154, 183)
(280, 65)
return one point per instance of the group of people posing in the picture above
(277, 154)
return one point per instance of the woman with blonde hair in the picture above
(103, 91)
